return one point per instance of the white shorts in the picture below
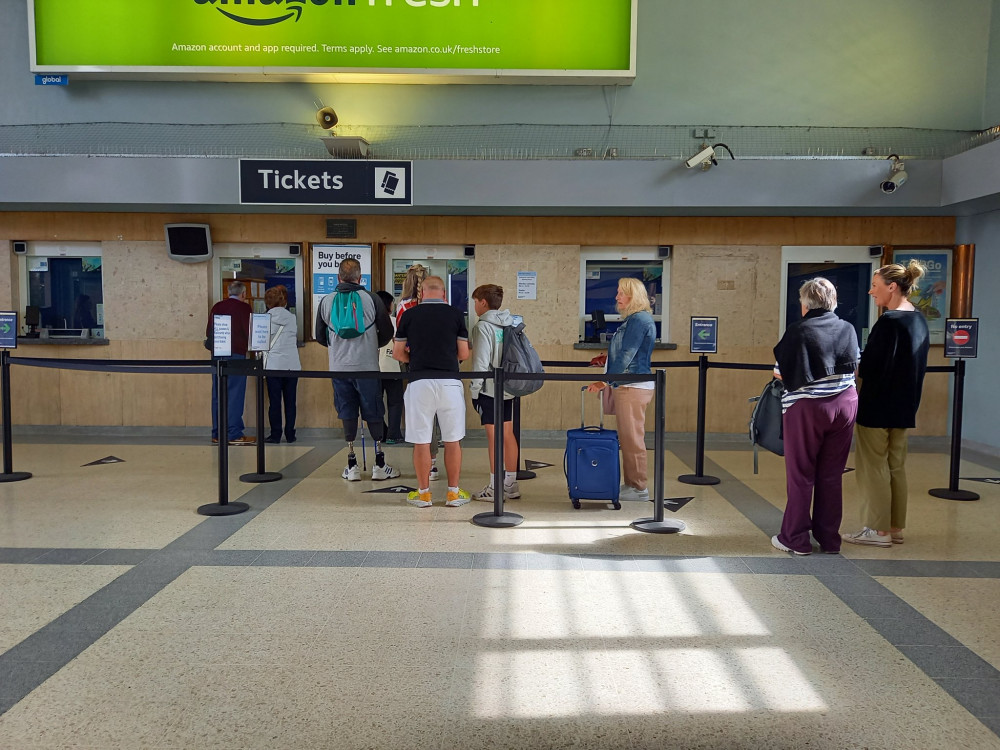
(425, 398)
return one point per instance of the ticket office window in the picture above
(62, 291)
(600, 270)
(259, 267)
(450, 263)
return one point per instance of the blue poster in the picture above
(931, 297)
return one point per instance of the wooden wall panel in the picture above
(157, 309)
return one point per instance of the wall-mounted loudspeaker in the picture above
(664, 250)
(470, 251)
(875, 251)
(295, 249)
(20, 247)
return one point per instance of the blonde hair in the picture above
(905, 278)
(818, 294)
(415, 276)
(639, 301)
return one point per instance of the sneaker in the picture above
(384, 472)
(352, 473)
(897, 537)
(778, 545)
(435, 474)
(869, 537)
(456, 499)
(273, 440)
(511, 491)
(244, 440)
(485, 494)
(419, 499)
(631, 493)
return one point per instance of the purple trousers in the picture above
(817, 434)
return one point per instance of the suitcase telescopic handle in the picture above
(583, 406)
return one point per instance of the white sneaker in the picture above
(511, 491)
(352, 473)
(631, 493)
(868, 537)
(485, 494)
(435, 474)
(384, 472)
(778, 545)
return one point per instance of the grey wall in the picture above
(991, 106)
(981, 422)
(850, 63)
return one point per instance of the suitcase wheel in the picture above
(618, 506)
(576, 504)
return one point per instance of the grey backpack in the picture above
(765, 421)
(519, 357)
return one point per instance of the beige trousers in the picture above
(880, 456)
(630, 412)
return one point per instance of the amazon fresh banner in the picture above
(346, 39)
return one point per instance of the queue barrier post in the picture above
(223, 507)
(260, 475)
(499, 518)
(952, 492)
(657, 524)
(9, 475)
(699, 477)
(521, 473)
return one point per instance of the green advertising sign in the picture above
(341, 39)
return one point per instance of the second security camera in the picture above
(897, 176)
(703, 157)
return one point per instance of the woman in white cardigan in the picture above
(283, 355)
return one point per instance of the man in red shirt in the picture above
(239, 311)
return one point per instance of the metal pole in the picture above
(498, 518)
(223, 507)
(699, 476)
(9, 475)
(261, 475)
(958, 399)
(657, 524)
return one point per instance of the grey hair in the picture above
(236, 288)
(818, 294)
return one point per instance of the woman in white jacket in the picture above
(283, 355)
(487, 349)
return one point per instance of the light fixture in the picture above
(706, 157)
(341, 146)
(897, 175)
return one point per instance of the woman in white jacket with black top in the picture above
(283, 355)
(487, 349)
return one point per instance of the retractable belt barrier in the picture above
(224, 368)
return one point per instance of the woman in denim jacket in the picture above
(629, 353)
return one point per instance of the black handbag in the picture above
(765, 421)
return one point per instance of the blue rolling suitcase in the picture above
(591, 462)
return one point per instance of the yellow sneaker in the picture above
(420, 499)
(455, 499)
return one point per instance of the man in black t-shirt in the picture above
(432, 337)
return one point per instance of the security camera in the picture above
(327, 118)
(705, 157)
(897, 176)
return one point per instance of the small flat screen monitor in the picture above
(189, 243)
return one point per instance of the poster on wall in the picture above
(326, 261)
(932, 295)
(416, 41)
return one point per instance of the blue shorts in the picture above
(361, 394)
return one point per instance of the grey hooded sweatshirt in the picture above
(487, 348)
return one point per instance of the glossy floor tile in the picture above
(330, 616)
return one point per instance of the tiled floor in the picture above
(332, 617)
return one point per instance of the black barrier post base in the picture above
(260, 477)
(703, 479)
(15, 476)
(525, 474)
(652, 526)
(948, 494)
(503, 520)
(218, 509)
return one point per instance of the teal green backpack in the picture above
(347, 315)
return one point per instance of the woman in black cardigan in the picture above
(892, 378)
(816, 359)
